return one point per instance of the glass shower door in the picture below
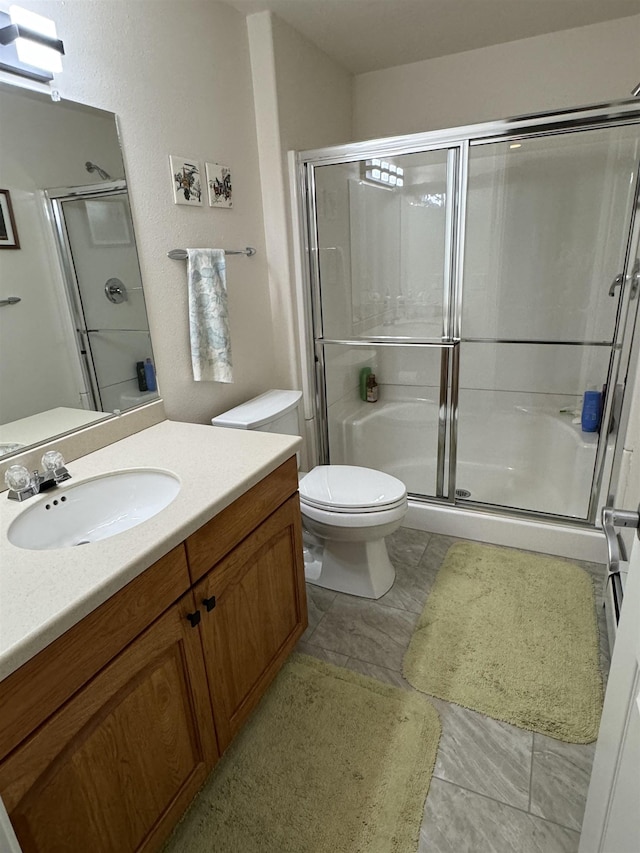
(384, 262)
(106, 291)
(546, 239)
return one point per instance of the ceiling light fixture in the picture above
(29, 45)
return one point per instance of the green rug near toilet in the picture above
(514, 636)
(330, 762)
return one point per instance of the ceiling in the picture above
(367, 35)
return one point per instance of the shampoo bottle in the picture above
(364, 376)
(142, 379)
(591, 411)
(150, 375)
(372, 388)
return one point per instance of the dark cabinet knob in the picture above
(209, 603)
(194, 618)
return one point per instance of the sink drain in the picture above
(463, 493)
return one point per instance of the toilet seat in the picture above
(351, 489)
(352, 520)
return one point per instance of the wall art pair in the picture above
(190, 185)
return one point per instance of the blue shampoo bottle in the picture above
(150, 375)
(591, 411)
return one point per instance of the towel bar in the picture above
(181, 254)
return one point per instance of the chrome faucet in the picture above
(23, 485)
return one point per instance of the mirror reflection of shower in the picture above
(93, 167)
(94, 234)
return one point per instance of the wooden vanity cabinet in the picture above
(108, 733)
(114, 769)
(254, 611)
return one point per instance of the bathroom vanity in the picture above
(141, 656)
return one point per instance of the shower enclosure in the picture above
(96, 247)
(488, 276)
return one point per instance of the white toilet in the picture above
(346, 510)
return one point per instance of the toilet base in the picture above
(357, 568)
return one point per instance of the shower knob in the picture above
(115, 291)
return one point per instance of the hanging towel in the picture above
(208, 316)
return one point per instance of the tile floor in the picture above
(495, 788)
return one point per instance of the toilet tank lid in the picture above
(260, 410)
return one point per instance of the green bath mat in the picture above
(514, 636)
(330, 762)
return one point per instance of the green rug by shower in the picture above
(330, 762)
(514, 636)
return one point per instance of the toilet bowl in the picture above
(347, 511)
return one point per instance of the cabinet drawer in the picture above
(214, 540)
(32, 693)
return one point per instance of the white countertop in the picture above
(44, 593)
(42, 426)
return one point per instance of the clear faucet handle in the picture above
(17, 477)
(52, 460)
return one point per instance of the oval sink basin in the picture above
(94, 509)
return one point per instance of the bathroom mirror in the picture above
(74, 335)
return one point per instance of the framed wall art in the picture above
(186, 180)
(219, 185)
(8, 232)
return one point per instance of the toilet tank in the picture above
(273, 411)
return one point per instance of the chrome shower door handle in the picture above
(635, 279)
(612, 518)
(617, 282)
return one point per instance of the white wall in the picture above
(314, 92)
(586, 65)
(178, 77)
(303, 99)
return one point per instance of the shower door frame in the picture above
(54, 199)
(624, 341)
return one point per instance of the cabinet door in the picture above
(114, 768)
(259, 613)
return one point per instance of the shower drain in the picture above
(463, 493)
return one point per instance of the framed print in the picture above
(8, 232)
(108, 222)
(219, 185)
(186, 180)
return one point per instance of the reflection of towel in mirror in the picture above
(208, 316)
